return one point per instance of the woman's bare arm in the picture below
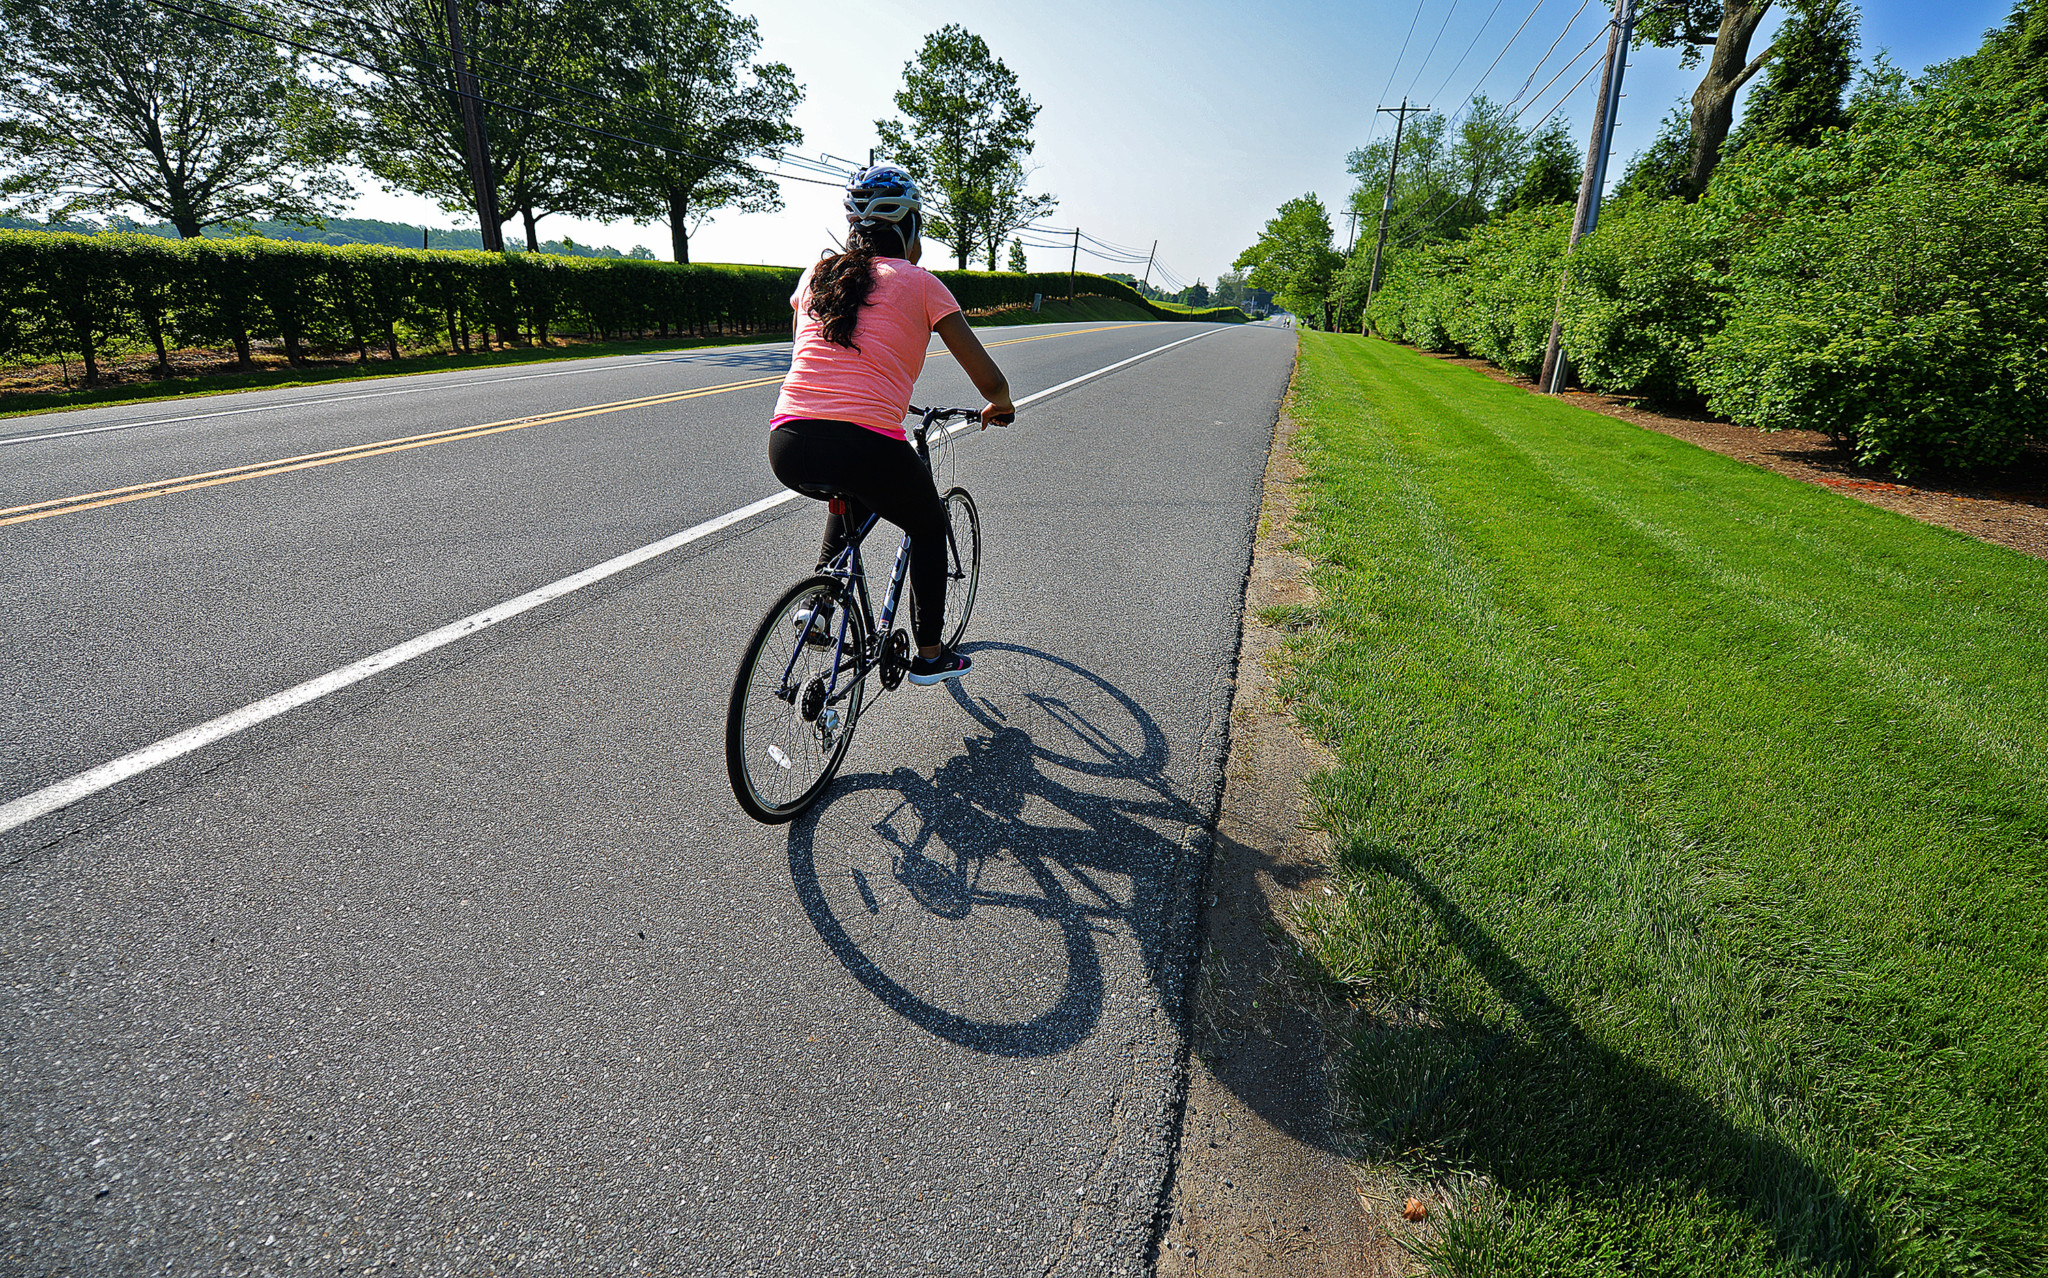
(980, 369)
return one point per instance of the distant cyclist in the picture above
(863, 322)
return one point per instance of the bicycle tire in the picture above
(779, 761)
(963, 563)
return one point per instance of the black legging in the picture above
(879, 475)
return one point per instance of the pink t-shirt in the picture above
(869, 386)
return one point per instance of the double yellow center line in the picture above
(375, 448)
(378, 448)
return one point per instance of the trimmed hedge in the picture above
(64, 296)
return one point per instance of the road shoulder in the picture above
(1260, 1182)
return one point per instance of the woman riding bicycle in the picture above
(863, 321)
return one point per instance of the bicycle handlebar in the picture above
(933, 416)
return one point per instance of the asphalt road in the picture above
(475, 966)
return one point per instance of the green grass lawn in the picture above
(1692, 826)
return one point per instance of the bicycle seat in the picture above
(828, 493)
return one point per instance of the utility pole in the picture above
(1400, 115)
(476, 144)
(1556, 368)
(1148, 264)
(1074, 265)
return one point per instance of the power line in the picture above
(1486, 74)
(1538, 68)
(1395, 70)
(1468, 49)
(1560, 75)
(1422, 66)
(1419, 232)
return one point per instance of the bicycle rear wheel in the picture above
(784, 735)
(963, 563)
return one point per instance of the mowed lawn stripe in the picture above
(1693, 831)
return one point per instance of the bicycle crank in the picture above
(895, 659)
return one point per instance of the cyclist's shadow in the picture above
(977, 903)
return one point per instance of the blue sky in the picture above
(1191, 122)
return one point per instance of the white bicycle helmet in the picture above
(881, 194)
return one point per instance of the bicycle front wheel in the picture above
(963, 562)
(795, 700)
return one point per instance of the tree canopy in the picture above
(1800, 97)
(1293, 258)
(964, 133)
(693, 86)
(111, 104)
(407, 116)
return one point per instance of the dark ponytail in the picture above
(842, 281)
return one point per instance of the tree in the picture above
(1448, 180)
(1229, 289)
(695, 89)
(1010, 209)
(1725, 28)
(965, 133)
(1801, 95)
(2013, 58)
(1659, 170)
(407, 116)
(1550, 174)
(1018, 261)
(1293, 258)
(113, 104)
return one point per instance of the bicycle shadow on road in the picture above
(1052, 845)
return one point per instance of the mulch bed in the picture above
(2008, 507)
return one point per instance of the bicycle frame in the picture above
(847, 567)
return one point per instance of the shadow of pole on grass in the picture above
(1551, 1105)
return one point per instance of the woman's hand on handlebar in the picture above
(1001, 414)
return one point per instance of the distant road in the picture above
(474, 964)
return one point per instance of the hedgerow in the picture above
(83, 296)
(1888, 285)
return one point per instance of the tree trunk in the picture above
(92, 367)
(188, 226)
(532, 236)
(679, 223)
(243, 360)
(153, 321)
(1713, 103)
(391, 339)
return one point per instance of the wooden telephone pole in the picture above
(476, 142)
(1556, 368)
(1400, 114)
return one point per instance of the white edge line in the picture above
(70, 790)
(64, 793)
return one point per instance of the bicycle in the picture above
(801, 684)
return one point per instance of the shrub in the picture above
(1492, 294)
(1912, 325)
(1646, 290)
